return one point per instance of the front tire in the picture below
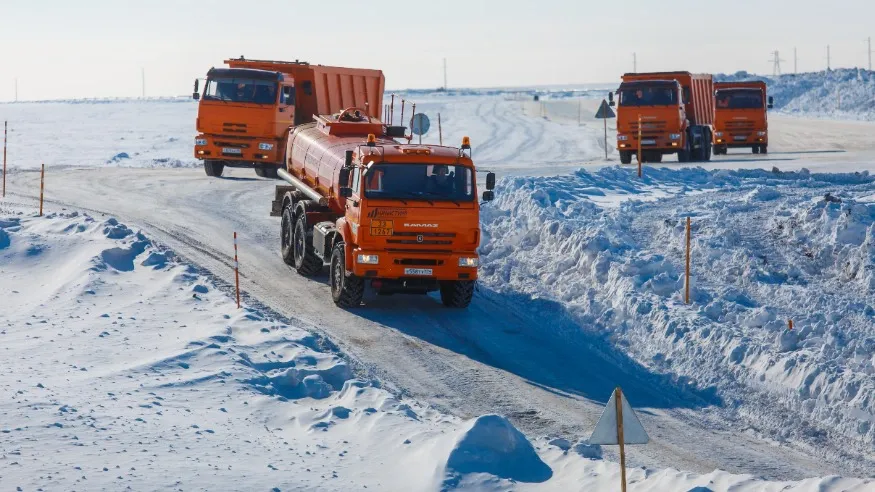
(625, 157)
(305, 260)
(346, 290)
(684, 154)
(266, 172)
(457, 293)
(756, 149)
(213, 168)
(764, 149)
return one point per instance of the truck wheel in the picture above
(286, 246)
(213, 168)
(305, 260)
(266, 172)
(457, 293)
(756, 149)
(656, 157)
(625, 157)
(707, 152)
(764, 149)
(346, 290)
(259, 171)
(684, 154)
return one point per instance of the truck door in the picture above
(353, 203)
(286, 110)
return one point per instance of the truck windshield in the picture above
(739, 99)
(427, 182)
(241, 90)
(648, 96)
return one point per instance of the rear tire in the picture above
(213, 169)
(305, 260)
(625, 157)
(346, 290)
(457, 293)
(287, 249)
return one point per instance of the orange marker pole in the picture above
(236, 271)
(5, 124)
(639, 145)
(687, 286)
(440, 131)
(618, 400)
(790, 325)
(42, 187)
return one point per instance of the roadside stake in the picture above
(789, 325)
(440, 131)
(42, 187)
(639, 145)
(687, 282)
(236, 271)
(5, 125)
(619, 425)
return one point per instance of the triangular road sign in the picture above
(605, 111)
(606, 429)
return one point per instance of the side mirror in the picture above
(196, 96)
(610, 98)
(488, 196)
(490, 181)
(771, 102)
(343, 178)
(347, 161)
(345, 192)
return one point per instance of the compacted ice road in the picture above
(491, 358)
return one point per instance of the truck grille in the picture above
(739, 125)
(418, 262)
(648, 126)
(238, 145)
(424, 238)
(234, 127)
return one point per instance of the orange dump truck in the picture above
(676, 114)
(741, 116)
(246, 110)
(399, 218)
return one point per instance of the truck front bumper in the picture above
(415, 267)
(660, 143)
(237, 152)
(746, 139)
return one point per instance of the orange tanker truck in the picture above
(246, 110)
(741, 116)
(399, 218)
(676, 114)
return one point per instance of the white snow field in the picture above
(579, 293)
(125, 368)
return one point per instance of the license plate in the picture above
(740, 137)
(382, 228)
(649, 141)
(417, 271)
(231, 150)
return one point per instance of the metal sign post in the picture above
(604, 113)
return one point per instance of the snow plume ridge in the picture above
(768, 246)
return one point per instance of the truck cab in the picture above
(247, 110)
(664, 113)
(243, 117)
(741, 117)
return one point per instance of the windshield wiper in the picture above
(442, 197)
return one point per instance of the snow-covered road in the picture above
(496, 357)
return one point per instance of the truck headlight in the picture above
(469, 262)
(200, 141)
(265, 146)
(622, 137)
(675, 136)
(761, 134)
(368, 259)
(718, 134)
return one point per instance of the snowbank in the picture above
(767, 247)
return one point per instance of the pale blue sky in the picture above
(93, 48)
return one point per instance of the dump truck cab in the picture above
(664, 113)
(246, 110)
(741, 116)
(243, 117)
(398, 217)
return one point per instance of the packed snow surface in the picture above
(124, 367)
(767, 247)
